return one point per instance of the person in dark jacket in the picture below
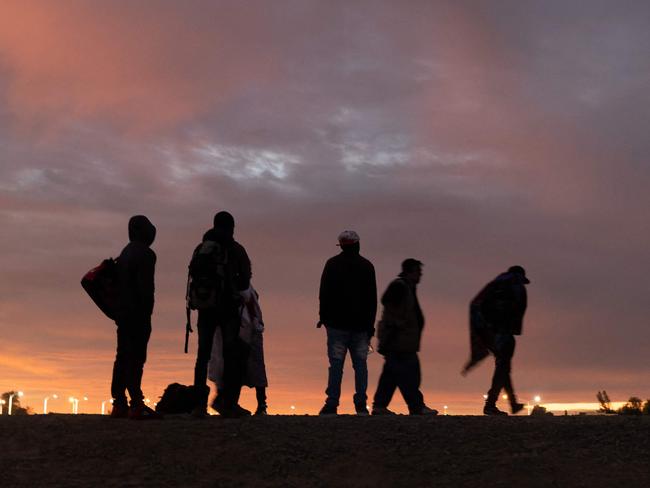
(496, 316)
(348, 306)
(399, 333)
(226, 316)
(135, 284)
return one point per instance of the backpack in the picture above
(177, 398)
(101, 284)
(207, 278)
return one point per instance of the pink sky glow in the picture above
(470, 135)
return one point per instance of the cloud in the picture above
(470, 136)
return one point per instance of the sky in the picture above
(470, 135)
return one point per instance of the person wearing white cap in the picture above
(348, 307)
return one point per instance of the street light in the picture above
(55, 396)
(445, 410)
(104, 405)
(75, 404)
(537, 398)
(11, 400)
(2, 402)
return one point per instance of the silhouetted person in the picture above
(135, 285)
(496, 316)
(348, 306)
(252, 334)
(399, 333)
(234, 270)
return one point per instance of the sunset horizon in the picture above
(471, 137)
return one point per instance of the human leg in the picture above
(119, 380)
(386, 386)
(504, 346)
(408, 381)
(139, 339)
(336, 351)
(235, 355)
(260, 394)
(358, 346)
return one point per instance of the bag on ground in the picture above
(177, 398)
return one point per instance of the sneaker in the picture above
(242, 412)
(328, 410)
(382, 411)
(493, 410)
(120, 412)
(515, 408)
(142, 412)
(362, 411)
(425, 411)
(235, 412)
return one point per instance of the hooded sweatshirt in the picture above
(135, 273)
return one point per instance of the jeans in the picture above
(503, 350)
(132, 340)
(235, 355)
(401, 370)
(339, 342)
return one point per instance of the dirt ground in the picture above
(303, 451)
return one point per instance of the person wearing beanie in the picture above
(348, 307)
(135, 300)
(399, 334)
(496, 316)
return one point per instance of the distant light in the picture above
(505, 397)
(71, 399)
(538, 398)
(20, 393)
(86, 398)
(484, 397)
(55, 396)
(293, 407)
(2, 402)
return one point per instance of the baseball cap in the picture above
(348, 237)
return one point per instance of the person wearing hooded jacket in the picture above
(135, 301)
(348, 307)
(227, 317)
(496, 316)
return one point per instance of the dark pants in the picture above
(503, 350)
(401, 370)
(235, 355)
(132, 340)
(260, 394)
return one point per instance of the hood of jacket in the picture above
(220, 235)
(141, 230)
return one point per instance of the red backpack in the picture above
(101, 284)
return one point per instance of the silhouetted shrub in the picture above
(634, 406)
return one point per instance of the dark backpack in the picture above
(177, 398)
(208, 281)
(207, 278)
(101, 284)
